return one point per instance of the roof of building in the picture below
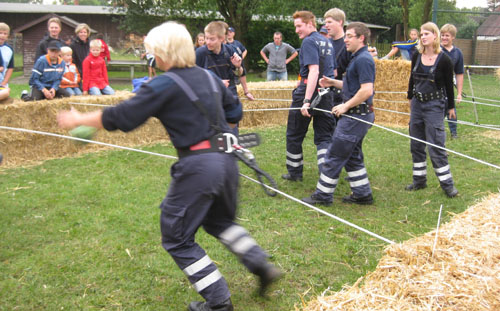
(59, 9)
(64, 19)
(490, 27)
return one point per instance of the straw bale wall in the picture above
(460, 272)
(24, 148)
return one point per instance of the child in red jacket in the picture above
(71, 77)
(95, 74)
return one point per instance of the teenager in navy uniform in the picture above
(448, 34)
(193, 105)
(316, 59)
(430, 91)
(345, 149)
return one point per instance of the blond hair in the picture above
(5, 27)
(96, 43)
(336, 14)
(172, 43)
(54, 20)
(79, 28)
(449, 28)
(305, 16)
(217, 28)
(436, 45)
(66, 50)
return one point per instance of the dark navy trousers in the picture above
(297, 126)
(345, 150)
(203, 192)
(426, 123)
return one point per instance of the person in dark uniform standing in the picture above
(345, 149)
(448, 34)
(316, 60)
(430, 91)
(193, 105)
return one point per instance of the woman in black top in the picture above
(430, 92)
(80, 45)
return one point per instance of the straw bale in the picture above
(392, 76)
(461, 273)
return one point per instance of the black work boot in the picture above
(313, 200)
(268, 275)
(352, 199)
(203, 306)
(291, 178)
(451, 192)
(415, 187)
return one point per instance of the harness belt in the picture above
(361, 109)
(222, 142)
(425, 97)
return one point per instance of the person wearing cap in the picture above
(324, 32)
(277, 61)
(47, 74)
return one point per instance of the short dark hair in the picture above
(279, 33)
(360, 29)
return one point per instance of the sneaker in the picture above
(203, 306)
(291, 178)
(25, 96)
(352, 199)
(415, 187)
(270, 275)
(451, 192)
(313, 200)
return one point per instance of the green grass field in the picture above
(83, 233)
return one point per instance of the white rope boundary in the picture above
(175, 158)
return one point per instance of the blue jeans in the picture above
(105, 91)
(72, 91)
(277, 76)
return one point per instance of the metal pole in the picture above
(434, 12)
(472, 94)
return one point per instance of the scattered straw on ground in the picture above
(492, 134)
(461, 273)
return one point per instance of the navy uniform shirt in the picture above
(360, 70)
(457, 58)
(164, 99)
(342, 57)
(238, 47)
(316, 50)
(220, 64)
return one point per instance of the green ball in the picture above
(84, 132)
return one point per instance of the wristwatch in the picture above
(306, 101)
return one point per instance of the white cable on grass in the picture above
(487, 99)
(88, 104)
(175, 158)
(479, 103)
(350, 224)
(417, 139)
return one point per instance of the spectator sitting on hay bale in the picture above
(6, 64)
(95, 74)
(71, 77)
(46, 75)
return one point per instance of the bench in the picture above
(131, 63)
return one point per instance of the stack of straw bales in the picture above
(272, 94)
(25, 148)
(392, 76)
(462, 271)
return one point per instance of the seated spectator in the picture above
(71, 77)
(104, 48)
(46, 75)
(6, 64)
(95, 74)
